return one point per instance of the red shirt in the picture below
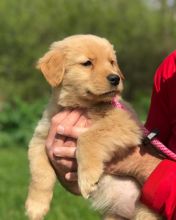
(162, 113)
(159, 191)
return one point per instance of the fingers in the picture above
(67, 168)
(62, 151)
(66, 118)
(56, 144)
(70, 142)
(82, 121)
(64, 158)
(65, 152)
(54, 123)
(67, 165)
(73, 131)
(68, 131)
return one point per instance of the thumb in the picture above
(73, 132)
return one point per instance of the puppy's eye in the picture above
(87, 63)
(112, 62)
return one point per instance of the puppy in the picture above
(84, 73)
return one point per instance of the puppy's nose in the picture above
(113, 79)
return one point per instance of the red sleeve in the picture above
(162, 113)
(159, 191)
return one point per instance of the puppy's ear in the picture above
(52, 66)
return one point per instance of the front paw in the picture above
(88, 180)
(36, 210)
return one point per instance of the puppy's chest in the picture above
(99, 113)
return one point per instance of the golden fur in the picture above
(77, 68)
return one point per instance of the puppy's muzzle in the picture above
(113, 79)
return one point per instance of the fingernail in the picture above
(56, 151)
(60, 129)
(67, 176)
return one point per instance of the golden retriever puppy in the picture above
(84, 73)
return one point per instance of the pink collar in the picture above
(155, 142)
(117, 103)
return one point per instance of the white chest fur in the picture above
(116, 195)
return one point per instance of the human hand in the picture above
(61, 148)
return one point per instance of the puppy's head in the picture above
(84, 69)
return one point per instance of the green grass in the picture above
(14, 178)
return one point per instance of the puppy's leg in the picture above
(113, 134)
(42, 175)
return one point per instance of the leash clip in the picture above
(153, 134)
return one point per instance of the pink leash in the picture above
(155, 142)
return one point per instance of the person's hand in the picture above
(138, 164)
(61, 146)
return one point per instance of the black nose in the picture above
(113, 79)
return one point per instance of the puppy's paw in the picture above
(36, 210)
(88, 180)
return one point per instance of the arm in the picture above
(157, 177)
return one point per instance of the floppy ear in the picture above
(52, 67)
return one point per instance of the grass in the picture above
(14, 178)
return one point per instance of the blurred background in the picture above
(143, 33)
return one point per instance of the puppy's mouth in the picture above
(105, 94)
(110, 93)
